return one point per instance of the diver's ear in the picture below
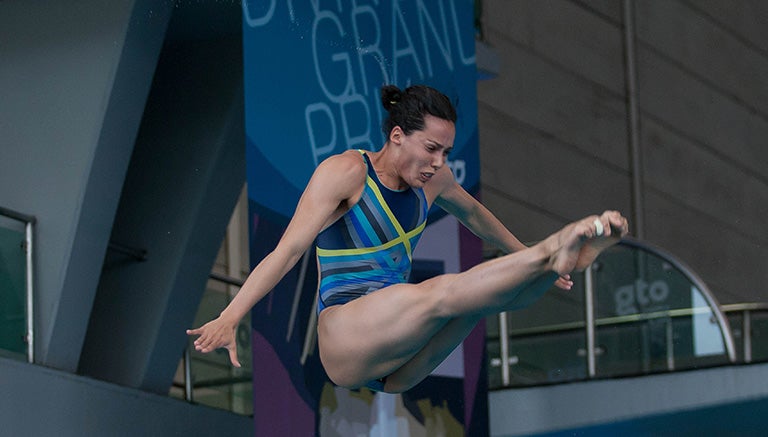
(396, 135)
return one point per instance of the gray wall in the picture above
(554, 130)
(186, 172)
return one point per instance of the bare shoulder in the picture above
(344, 173)
(348, 166)
(440, 184)
(349, 161)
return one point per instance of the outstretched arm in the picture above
(455, 200)
(476, 217)
(334, 182)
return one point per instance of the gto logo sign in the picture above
(633, 298)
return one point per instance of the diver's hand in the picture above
(218, 333)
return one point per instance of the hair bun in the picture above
(390, 96)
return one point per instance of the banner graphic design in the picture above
(313, 73)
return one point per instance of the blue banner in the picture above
(313, 72)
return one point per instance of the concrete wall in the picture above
(554, 132)
(186, 172)
(37, 401)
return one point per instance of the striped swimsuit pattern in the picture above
(369, 248)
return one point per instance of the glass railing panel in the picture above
(539, 359)
(698, 341)
(736, 322)
(630, 348)
(759, 335)
(546, 340)
(13, 268)
(548, 358)
(650, 317)
(749, 325)
(650, 314)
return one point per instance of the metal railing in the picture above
(746, 311)
(666, 322)
(29, 225)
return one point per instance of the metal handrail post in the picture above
(29, 231)
(670, 346)
(589, 316)
(188, 391)
(747, 336)
(504, 348)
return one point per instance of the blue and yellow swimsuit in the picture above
(370, 247)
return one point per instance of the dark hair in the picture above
(408, 108)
